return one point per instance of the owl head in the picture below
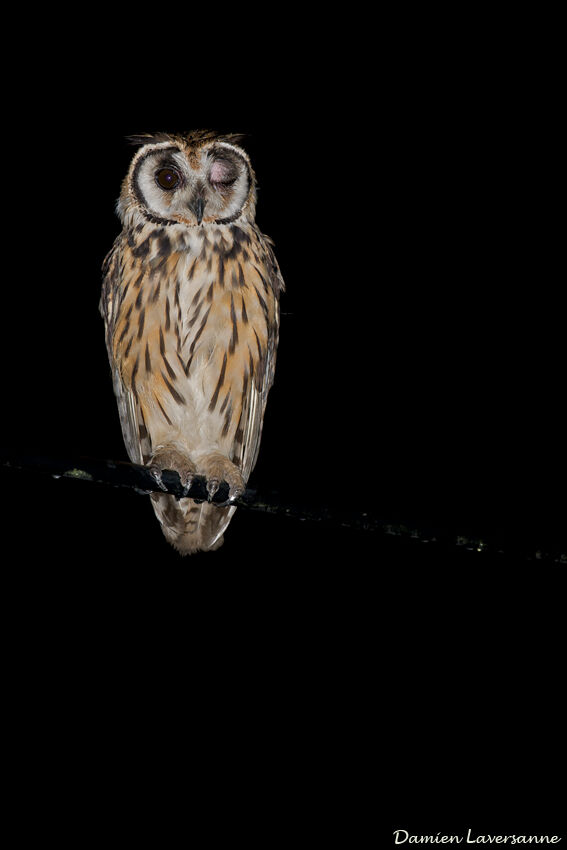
(196, 179)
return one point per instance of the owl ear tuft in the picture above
(196, 137)
(233, 138)
(202, 137)
(147, 139)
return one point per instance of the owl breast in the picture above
(194, 330)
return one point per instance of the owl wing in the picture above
(269, 285)
(131, 420)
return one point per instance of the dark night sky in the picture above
(411, 197)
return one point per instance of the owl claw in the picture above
(218, 469)
(186, 483)
(168, 457)
(157, 472)
(235, 493)
(212, 487)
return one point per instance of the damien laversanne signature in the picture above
(401, 836)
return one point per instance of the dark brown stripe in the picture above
(175, 395)
(240, 236)
(188, 364)
(161, 343)
(259, 365)
(199, 332)
(122, 293)
(227, 420)
(155, 294)
(204, 250)
(178, 335)
(124, 332)
(155, 219)
(233, 253)
(148, 358)
(195, 298)
(262, 278)
(192, 268)
(220, 382)
(133, 378)
(244, 313)
(167, 316)
(262, 303)
(230, 219)
(170, 371)
(141, 321)
(143, 249)
(179, 310)
(234, 338)
(221, 246)
(225, 402)
(167, 419)
(194, 317)
(163, 245)
(182, 364)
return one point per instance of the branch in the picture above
(139, 479)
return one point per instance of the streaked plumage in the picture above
(190, 304)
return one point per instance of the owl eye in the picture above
(167, 178)
(222, 173)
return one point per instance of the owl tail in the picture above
(190, 526)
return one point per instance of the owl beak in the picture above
(198, 208)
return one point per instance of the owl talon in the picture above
(157, 473)
(217, 468)
(212, 487)
(235, 493)
(168, 457)
(186, 484)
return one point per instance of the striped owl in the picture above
(190, 305)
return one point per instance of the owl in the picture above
(190, 302)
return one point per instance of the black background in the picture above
(410, 189)
(419, 372)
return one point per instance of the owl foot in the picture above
(166, 457)
(216, 468)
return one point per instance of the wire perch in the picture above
(139, 479)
